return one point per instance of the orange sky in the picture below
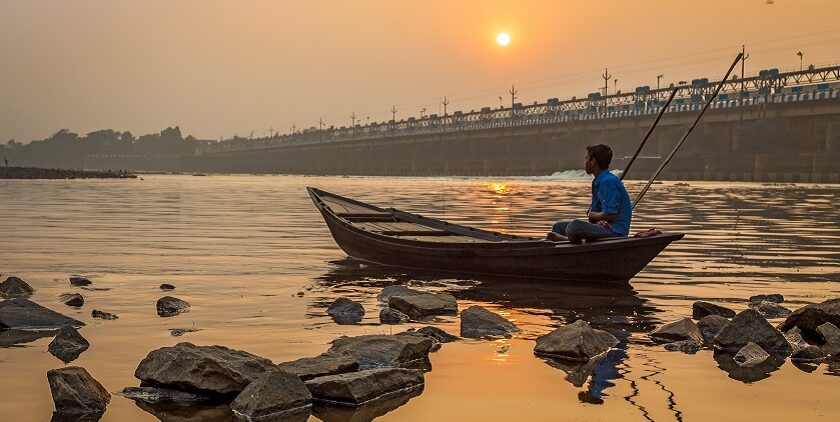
(219, 68)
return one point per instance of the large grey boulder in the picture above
(774, 297)
(684, 329)
(701, 309)
(750, 326)
(15, 287)
(437, 334)
(831, 337)
(770, 309)
(25, 314)
(321, 365)
(710, 326)
(168, 306)
(751, 355)
(809, 317)
(357, 388)
(392, 316)
(478, 322)
(273, 394)
(205, 370)
(72, 299)
(68, 344)
(397, 290)
(379, 350)
(423, 305)
(74, 391)
(576, 342)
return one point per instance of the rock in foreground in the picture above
(424, 305)
(478, 322)
(684, 329)
(809, 317)
(437, 334)
(710, 326)
(15, 287)
(273, 394)
(686, 346)
(25, 314)
(831, 337)
(750, 326)
(770, 309)
(75, 392)
(392, 316)
(751, 355)
(205, 370)
(377, 350)
(322, 365)
(576, 341)
(68, 344)
(360, 387)
(72, 299)
(702, 309)
(344, 307)
(168, 306)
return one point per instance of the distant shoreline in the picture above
(44, 173)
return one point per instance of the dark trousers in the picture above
(577, 230)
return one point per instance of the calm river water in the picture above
(255, 260)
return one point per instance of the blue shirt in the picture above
(610, 196)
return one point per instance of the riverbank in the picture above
(42, 173)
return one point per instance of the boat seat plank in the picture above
(394, 227)
(446, 239)
(341, 207)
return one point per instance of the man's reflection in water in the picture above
(605, 371)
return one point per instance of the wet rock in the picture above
(168, 306)
(478, 322)
(23, 313)
(364, 413)
(686, 346)
(770, 309)
(346, 311)
(794, 338)
(75, 392)
(751, 355)
(423, 305)
(809, 317)
(775, 298)
(205, 370)
(321, 365)
(165, 286)
(437, 334)
(273, 394)
(831, 335)
(68, 344)
(576, 341)
(357, 388)
(710, 326)
(392, 316)
(684, 329)
(378, 350)
(750, 326)
(701, 309)
(162, 395)
(397, 290)
(178, 332)
(808, 354)
(103, 315)
(80, 281)
(15, 287)
(72, 299)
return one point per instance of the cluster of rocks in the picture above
(747, 346)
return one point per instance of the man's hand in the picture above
(605, 223)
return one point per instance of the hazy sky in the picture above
(219, 68)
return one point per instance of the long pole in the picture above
(649, 132)
(687, 132)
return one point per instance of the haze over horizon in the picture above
(229, 68)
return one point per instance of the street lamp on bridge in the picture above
(658, 77)
(799, 53)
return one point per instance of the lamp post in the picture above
(658, 77)
(799, 53)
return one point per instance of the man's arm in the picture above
(610, 199)
(595, 217)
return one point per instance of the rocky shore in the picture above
(42, 173)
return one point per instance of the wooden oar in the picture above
(687, 132)
(650, 131)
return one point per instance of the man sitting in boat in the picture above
(610, 212)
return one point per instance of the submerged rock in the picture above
(397, 290)
(426, 304)
(775, 298)
(178, 332)
(103, 315)
(165, 286)
(808, 354)
(392, 316)
(750, 326)
(273, 394)
(162, 395)
(478, 322)
(831, 337)
(357, 388)
(168, 306)
(701, 309)
(68, 344)
(321, 365)
(751, 355)
(437, 334)
(345, 307)
(75, 392)
(15, 287)
(206, 370)
(770, 309)
(72, 299)
(80, 281)
(686, 346)
(25, 314)
(710, 326)
(809, 317)
(378, 350)
(684, 329)
(576, 341)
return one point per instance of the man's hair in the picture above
(602, 155)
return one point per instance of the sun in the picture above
(503, 39)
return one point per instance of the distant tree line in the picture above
(66, 149)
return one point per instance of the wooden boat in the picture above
(393, 237)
